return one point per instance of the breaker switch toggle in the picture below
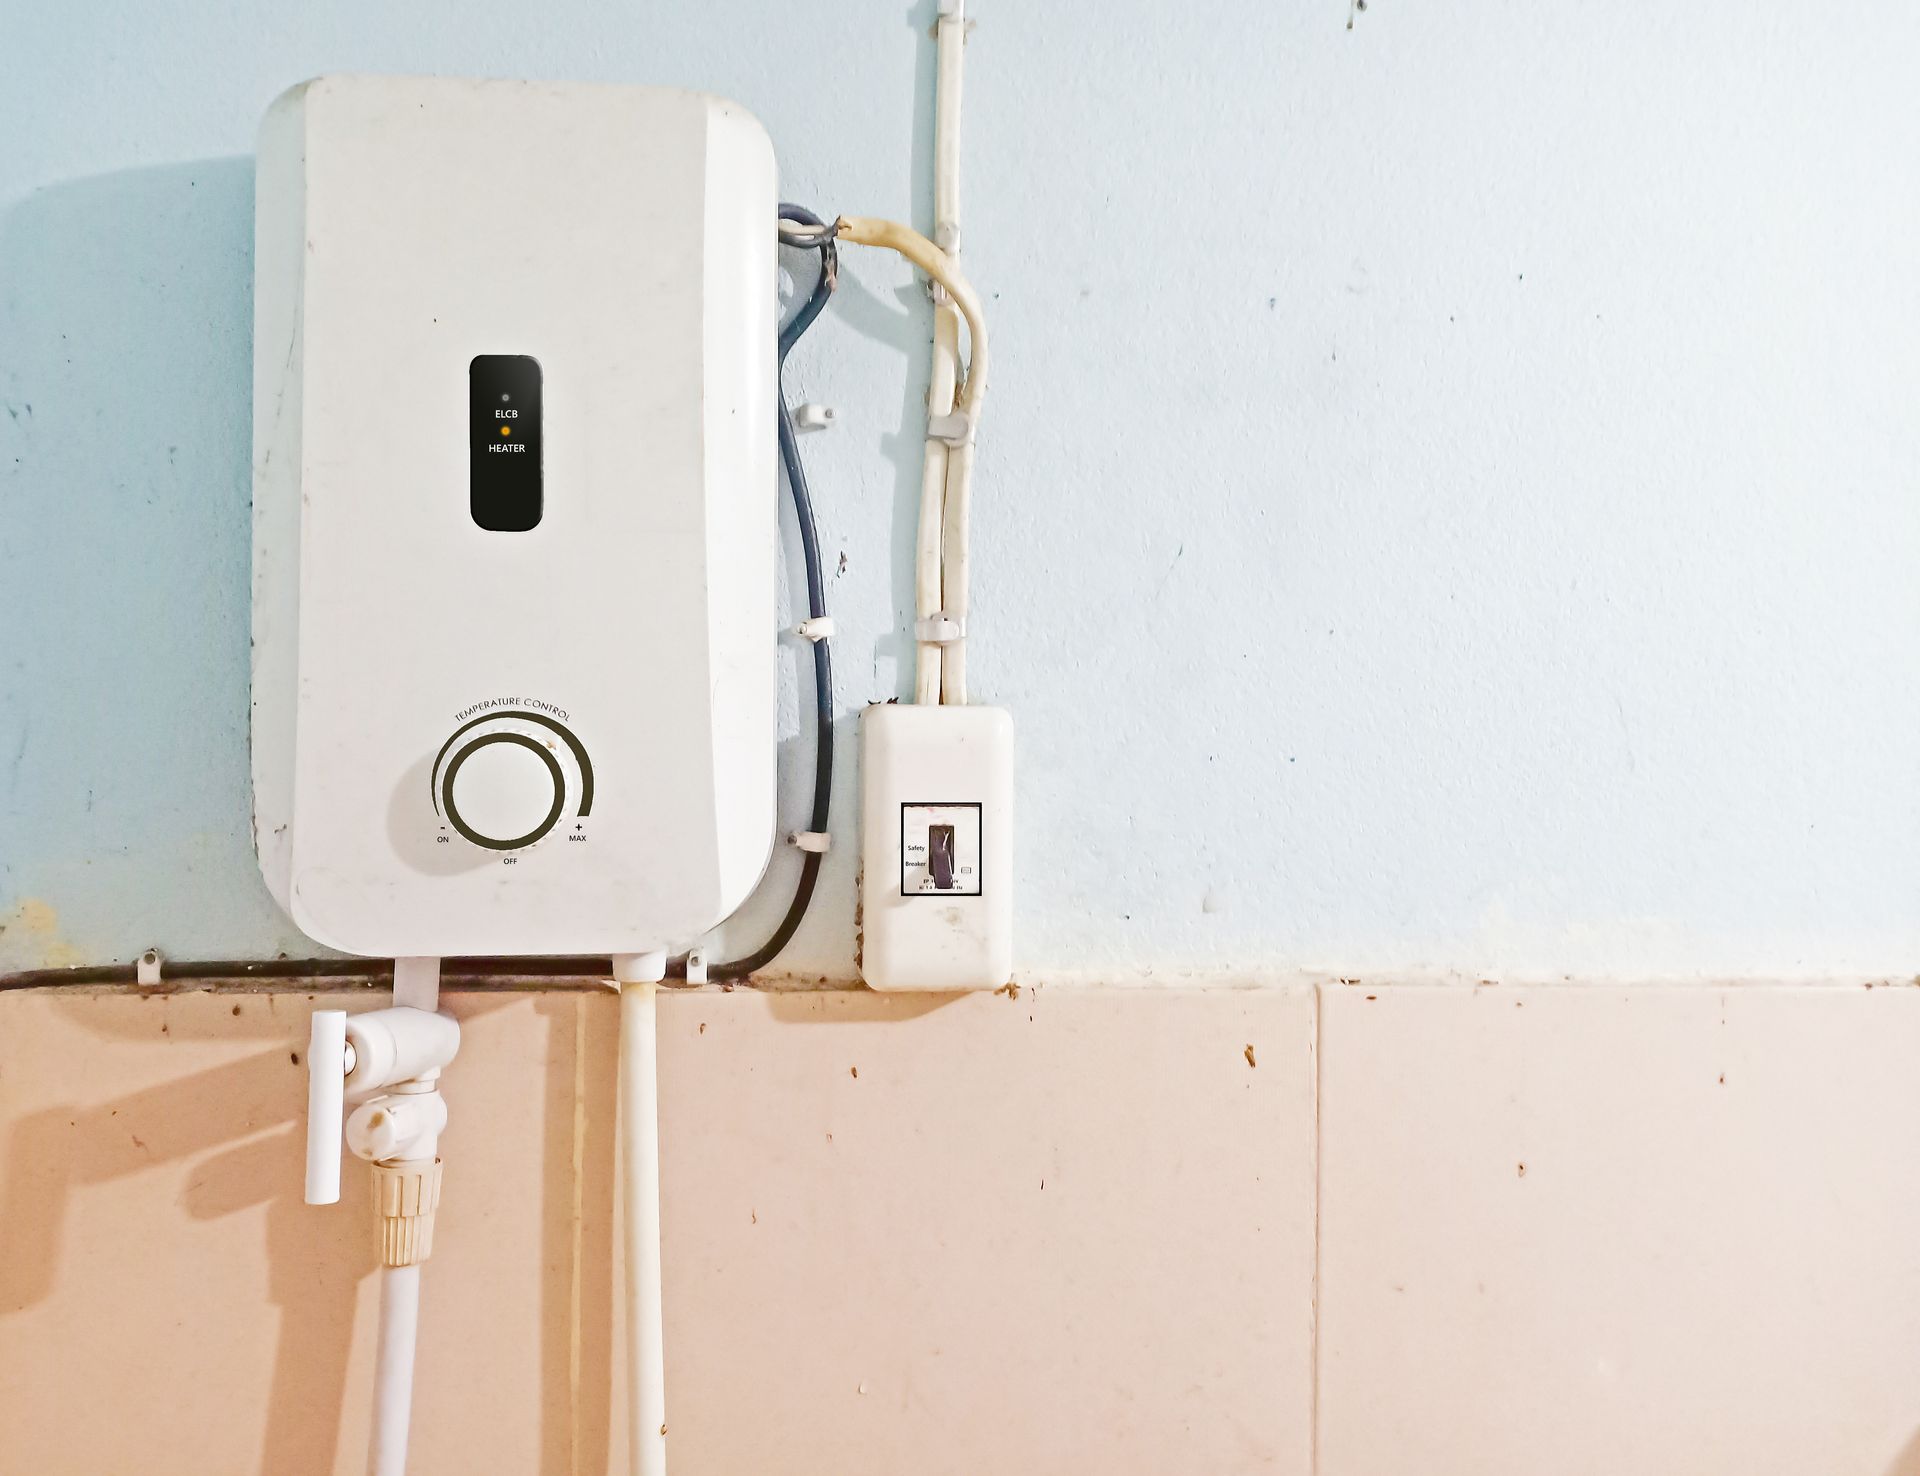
(940, 856)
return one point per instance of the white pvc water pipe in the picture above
(393, 1369)
(416, 985)
(638, 976)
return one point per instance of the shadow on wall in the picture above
(1907, 1463)
(239, 1125)
(125, 434)
(316, 1260)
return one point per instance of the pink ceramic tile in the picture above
(1068, 1232)
(1620, 1231)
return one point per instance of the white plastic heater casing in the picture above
(623, 238)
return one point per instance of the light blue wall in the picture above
(1451, 496)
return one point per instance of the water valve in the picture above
(398, 1125)
(392, 1056)
(326, 1102)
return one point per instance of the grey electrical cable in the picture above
(740, 968)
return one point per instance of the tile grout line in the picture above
(1313, 1323)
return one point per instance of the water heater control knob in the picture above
(504, 778)
(502, 790)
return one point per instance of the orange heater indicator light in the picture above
(506, 430)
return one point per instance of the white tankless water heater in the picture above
(514, 515)
(517, 446)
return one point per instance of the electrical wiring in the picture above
(941, 560)
(809, 238)
(816, 235)
(942, 382)
(864, 231)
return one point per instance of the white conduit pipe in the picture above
(950, 37)
(933, 494)
(950, 537)
(638, 976)
(953, 571)
(932, 561)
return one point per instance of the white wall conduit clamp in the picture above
(816, 629)
(811, 417)
(146, 968)
(955, 429)
(696, 966)
(816, 841)
(940, 629)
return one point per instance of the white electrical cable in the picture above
(954, 434)
(640, 1207)
(953, 401)
(393, 1369)
(864, 230)
(933, 496)
(953, 571)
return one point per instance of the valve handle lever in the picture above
(326, 1104)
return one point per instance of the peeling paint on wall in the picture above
(30, 938)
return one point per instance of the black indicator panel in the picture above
(503, 437)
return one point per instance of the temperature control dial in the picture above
(503, 781)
